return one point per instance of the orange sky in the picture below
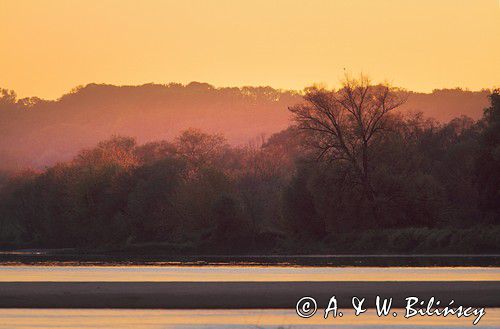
(48, 47)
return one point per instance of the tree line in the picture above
(352, 174)
(37, 133)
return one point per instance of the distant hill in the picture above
(36, 132)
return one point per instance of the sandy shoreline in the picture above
(231, 295)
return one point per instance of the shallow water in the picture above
(241, 319)
(244, 273)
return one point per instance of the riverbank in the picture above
(75, 257)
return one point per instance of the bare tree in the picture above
(199, 148)
(342, 125)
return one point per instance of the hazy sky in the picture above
(48, 47)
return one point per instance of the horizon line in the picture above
(219, 87)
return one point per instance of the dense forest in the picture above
(351, 173)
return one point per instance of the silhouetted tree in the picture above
(343, 125)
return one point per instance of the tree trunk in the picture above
(367, 185)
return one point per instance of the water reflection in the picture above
(245, 273)
(153, 319)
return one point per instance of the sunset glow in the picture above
(49, 47)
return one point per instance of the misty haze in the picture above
(35, 133)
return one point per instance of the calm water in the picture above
(63, 318)
(245, 273)
(156, 319)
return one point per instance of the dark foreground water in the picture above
(238, 319)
